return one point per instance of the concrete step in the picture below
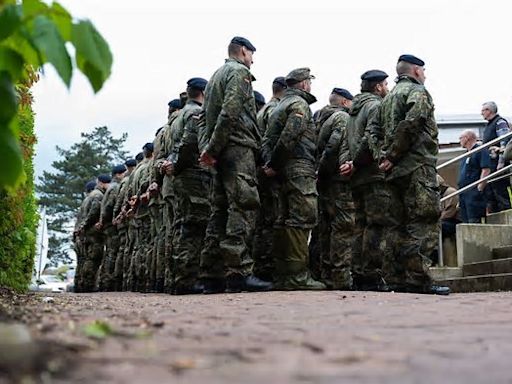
(475, 242)
(502, 252)
(489, 267)
(503, 217)
(443, 273)
(482, 283)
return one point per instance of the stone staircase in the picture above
(484, 257)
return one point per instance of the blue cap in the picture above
(197, 83)
(130, 163)
(281, 80)
(148, 147)
(90, 185)
(343, 92)
(243, 42)
(411, 59)
(118, 169)
(176, 104)
(139, 157)
(104, 178)
(374, 75)
(260, 99)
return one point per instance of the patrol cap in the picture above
(148, 147)
(411, 59)
(242, 41)
(176, 104)
(90, 185)
(197, 83)
(118, 169)
(139, 157)
(260, 99)
(298, 75)
(281, 81)
(104, 178)
(130, 163)
(343, 92)
(374, 75)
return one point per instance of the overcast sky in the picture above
(158, 45)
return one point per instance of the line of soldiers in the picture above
(235, 194)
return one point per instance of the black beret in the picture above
(197, 83)
(243, 42)
(139, 157)
(104, 178)
(411, 59)
(118, 169)
(148, 147)
(90, 185)
(343, 92)
(374, 75)
(281, 81)
(260, 99)
(130, 163)
(176, 104)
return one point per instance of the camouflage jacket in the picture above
(108, 203)
(328, 163)
(408, 128)
(230, 109)
(139, 184)
(324, 114)
(290, 140)
(264, 114)
(154, 169)
(325, 130)
(84, 207)
(92, 215)
(358, 145)
(163, 154)
(121, 197)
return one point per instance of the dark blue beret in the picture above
(243, 42)
(281, 80)
(90, 185)
(148, 147)
(197, 83)
(260, 99)
(343, 92)
(374, 75)
(412, 59)
(130, 163)
(118, 169)
(104, 178)
(176, 104)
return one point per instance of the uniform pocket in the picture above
(247, 191)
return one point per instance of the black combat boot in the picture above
(212, 286)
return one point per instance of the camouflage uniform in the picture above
(289, 148)
(94, 241)
(106, 279)
(79, 243)
(231, 137)
(122, 232)
(191, 188)
(370, 193)
(337, 211)
(268, 192)
(410, 142)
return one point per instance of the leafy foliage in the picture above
(62, 191)
(33, 33)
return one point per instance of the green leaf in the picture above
(93, 56)
(12, 62)
(63, 20)
(11, 158)
(8, 102)
(48, 40)
(33, 7)
(20, 43)
(98, 329)
(10, 19)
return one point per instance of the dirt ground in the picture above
(274, 337)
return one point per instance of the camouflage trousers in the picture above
(169, 232)
(371, 248)
(106, 273)
(264, 232)
(156, 259)
(79, 247)
(234, 200)
(143, 245)
(94, 250)
(415, 201)
(192, 210)
(128, 256)
(122, 233)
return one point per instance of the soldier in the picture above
(106, 225)
(191, 187)
(94, 239)
(78, 238)
(122, 226)
(231, 139)
(268, 192)
(289, 150)
(337, 99)
(370, 193)
(409, 154)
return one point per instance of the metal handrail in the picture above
(477, 149)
